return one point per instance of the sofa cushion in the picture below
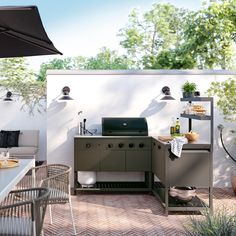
(23, 151)
(29, 138)
(3, 139)
(12, 137)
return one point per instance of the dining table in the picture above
(10, 177)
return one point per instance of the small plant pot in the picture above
(188, 94)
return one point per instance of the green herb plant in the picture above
(189, 87)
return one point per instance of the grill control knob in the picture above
(131, 145)
(110, 145)
(141, 145)
(120, 145)
(88, 145)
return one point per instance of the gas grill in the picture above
(117, 126)
(123, 147)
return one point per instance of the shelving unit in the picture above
(209, 117)
(194, 168)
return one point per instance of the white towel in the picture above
(177, 145)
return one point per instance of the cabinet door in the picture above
(159, 160)
(193, 168)
(112, 160)
(86, 156)
(139, 160)
(87, 161)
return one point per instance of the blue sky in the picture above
(82, 27)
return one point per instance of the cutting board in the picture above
(165, 138)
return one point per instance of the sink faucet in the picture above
(84, 126)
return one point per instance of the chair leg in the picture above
(72, 216)
(50, 213)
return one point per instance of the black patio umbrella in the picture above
(22, 33)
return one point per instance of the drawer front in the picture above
(193, 168)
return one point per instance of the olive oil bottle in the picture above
(177, 126)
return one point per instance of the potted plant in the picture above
(188, 89)
(225, 92)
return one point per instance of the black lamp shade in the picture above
(65, 92)
(166, 91)
(8, 96)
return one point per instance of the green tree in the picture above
(20, 80)
(210, 35)
(63, 64)
(225, 92)
(167, 37)
(106, 59)
(152, 38)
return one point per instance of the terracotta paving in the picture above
(124, 214)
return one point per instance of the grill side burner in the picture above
(124, 126)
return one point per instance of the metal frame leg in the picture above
(72, 216)
(50, 213)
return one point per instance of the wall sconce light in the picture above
(166, 91)
(8, 97)
(65, 94)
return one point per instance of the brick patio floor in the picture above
(125, 214)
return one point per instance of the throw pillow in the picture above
(3, 139)
(12, 138)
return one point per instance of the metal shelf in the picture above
(116, 186)
(197, 99)
(196, 204)
(196, 117)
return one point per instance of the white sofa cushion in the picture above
(28, 138)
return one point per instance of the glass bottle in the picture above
(177, 126)
(172, 126)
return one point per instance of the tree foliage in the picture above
(155, 33)
(167, 37)
(106, 59)
(226, 97)
(210, 35)
(20, 80)
(63, 64)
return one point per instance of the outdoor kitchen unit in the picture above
(124, 146)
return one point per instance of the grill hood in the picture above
(124, 126)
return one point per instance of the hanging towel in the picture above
(177, 145)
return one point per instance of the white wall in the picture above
(126, 93)
(13, 118)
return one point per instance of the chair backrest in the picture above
(57, 180)
(23, 211)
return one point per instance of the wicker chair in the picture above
(22, 212)
(55, 177)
